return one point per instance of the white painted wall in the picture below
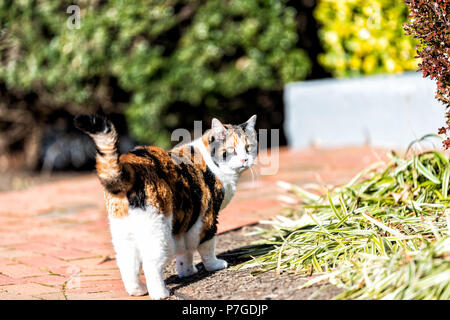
(384, 111)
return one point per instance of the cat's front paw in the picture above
(217, 264)
(187, 272)
(159, 294)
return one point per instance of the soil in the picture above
(231, 284)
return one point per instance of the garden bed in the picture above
(229, 284)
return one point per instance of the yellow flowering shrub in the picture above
(365, 37)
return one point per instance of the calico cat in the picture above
(165, 204)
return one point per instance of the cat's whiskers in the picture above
(253, 177)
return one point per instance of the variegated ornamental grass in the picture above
(384, 235)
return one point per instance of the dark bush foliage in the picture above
(155, 60)
(429, 21)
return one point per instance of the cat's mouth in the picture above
(243, 167)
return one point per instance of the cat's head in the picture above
(233, 148)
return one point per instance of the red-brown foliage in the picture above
(429, 22)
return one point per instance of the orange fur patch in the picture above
(116, 205)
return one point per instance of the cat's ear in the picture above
(250, 123)
(218, 130)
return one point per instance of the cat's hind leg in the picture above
(153, 232)
(207, 252)
(127, 257)
(185, 265)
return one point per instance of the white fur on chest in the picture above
(230, 189)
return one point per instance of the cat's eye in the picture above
(229, 152)
(247, 148)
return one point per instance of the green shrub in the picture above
(365, 37)
(156, 52)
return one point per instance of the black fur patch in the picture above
(176, 227)
(117, 185)
(195, 194)
(213, 148)
(141, 152)
(92, 124)
(113, 186)
(136, 196)
(217, 195)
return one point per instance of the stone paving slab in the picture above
(55, 241)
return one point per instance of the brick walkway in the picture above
(55, 242)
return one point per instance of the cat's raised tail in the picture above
(113, 176)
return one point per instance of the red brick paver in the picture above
(55, 241)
